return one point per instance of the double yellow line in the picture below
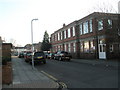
(55, 79)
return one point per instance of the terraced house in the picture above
(96, 36)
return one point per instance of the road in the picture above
(80, 75)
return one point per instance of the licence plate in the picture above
(67, 57)
(39, 57)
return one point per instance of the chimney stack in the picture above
(64, 25)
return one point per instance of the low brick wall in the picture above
(7, 73)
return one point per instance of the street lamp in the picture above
(32, 42)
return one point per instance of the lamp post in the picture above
(32, 42)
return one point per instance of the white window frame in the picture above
(69, 47)
(91, 29)
(73, 31)
(69, 34)
(100, 24)
(58, 37)
(109, 21)
(74, 47)
(65, 34)
(81, 31)
(85, 27)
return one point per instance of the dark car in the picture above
(27, 56)
(62, 55)
(50, 56)
(21, 55)
(39, 57)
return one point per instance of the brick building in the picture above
(96, 36)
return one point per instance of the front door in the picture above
(102, 51)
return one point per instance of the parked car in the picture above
(27, 56)
(38, 57)
(21, 55)
(50, 56)
(62, 55)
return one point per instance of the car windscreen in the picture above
(39, 54)
(64, 52)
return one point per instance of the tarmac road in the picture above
(80, 75)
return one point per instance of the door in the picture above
(102, 51)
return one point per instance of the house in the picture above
(96, 36)
(37, 47)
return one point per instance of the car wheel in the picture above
(69, 59)
(30, 63)
(44, 62)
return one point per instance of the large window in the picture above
(69, 47)
(61, 35)
(65, 47)
(85, 27)
(69, 33)
(92, 47)
(81, 47)
(65, 34)
(86, 46)
(100, 24)
(74, 47)
(73, 31)
(58, 37)
(90, 25)
(109, 24)
(81, 32)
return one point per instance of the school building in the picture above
(96, 36)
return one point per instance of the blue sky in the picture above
(16, 16)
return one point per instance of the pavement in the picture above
(24, 76)
(97, 62)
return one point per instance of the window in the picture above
(69, 33)
(81, 32)
(90, 25)
(58, 37)
(74, 50)
(55, 37)
(73, 31)
(92, 47)
(81, 46)
(69, 48)
(65, 47)
(85, 27)
(61, 36)
(109, 24)
(86, 46)
(111, 48)
(65, 34)
(100, 24)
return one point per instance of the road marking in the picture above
(50, 76)
(56, 80)
(63, 85)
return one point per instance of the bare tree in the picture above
(103, 7)
(13, 41)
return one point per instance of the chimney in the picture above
(64, 25)
(119, 7)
